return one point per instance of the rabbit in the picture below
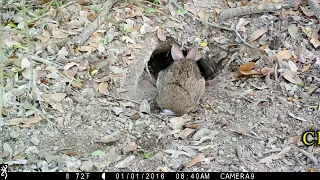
(181, 85)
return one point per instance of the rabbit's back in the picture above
(180, 87)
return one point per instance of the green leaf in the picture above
(96, 153)
(78, 80)
(148, 155)
(182, 12)
(315, 107)
(302, 85)
(12, 25)
(156, 2)
(150, 10)
(106, 40)
(127, 30)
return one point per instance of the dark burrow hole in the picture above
(160, 60)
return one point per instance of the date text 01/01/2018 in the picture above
(168, 175)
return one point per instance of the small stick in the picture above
(245, 134)
(251, 9)
(310, 156)
(118, 98)
(214, 25)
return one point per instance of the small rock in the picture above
(6, 147)
(117, 110)
(164, 169)
(72, 163)
(295, 96)
(290, 93)
(86, 166)
(201, 133)
(35, 141)
(282, 100)
(14, 134)
(32, 150)
(281, 117)
(259, 155)
(220, 152)
(4, 154)
(309, 79)
(126, 162)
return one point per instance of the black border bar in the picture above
(158, 175)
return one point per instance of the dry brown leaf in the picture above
(192, 10)
(291, 76)
(247, 66)
(314, 169)
(307, 11)
(203, 15)
(292, 99)
(292, 66)
(198, 158)
(221, 39)
(161, 35)
(100, 63)
(72, 153)
(264, 47)
(264, 71)
(25, 63)
(293, 31)
(57, 97)
(103, 87)
(296, 139)
(95, 37)
(217, 10)
(250, 72)
(255, 35)
(178, 122)
(19, 157)
(85, 48)
(284, 54)
(282, 153)
(192, 126)
(137, 46)
(69, 65)
(186, 133)
(307, 30)
(56, 33)
(76, 84)
(232, 4)
(109, 140)
(26, 121)
(306, 68)
(291, 12)
(127, 39)
(92, 16)
(4, 154)
(315, 39)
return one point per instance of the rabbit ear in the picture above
(176, 53)
(192, 53)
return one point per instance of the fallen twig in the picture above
(79, 40)
(251, 9)
(244, 134)
(46, 14)
(310, 156)
(214, 25)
